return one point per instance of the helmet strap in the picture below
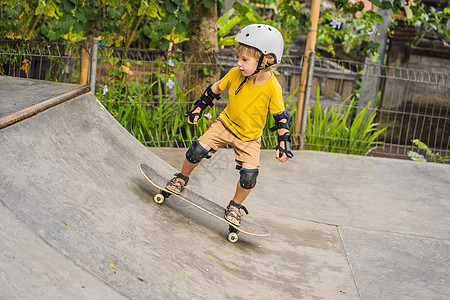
(240, 86)
(258, 67)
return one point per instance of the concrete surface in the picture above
(77, 220)
(19, 93)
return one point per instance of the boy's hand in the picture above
(284, 157)
(283, 152)
(195, 121)
(195, 118)
(206, 99)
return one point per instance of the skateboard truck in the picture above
(159, 198)
(233, 234)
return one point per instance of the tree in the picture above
(203, 39)
(142, 23)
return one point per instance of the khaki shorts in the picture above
(218, 136)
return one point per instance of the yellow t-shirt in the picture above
(246, 112)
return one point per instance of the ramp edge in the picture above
(28, 112)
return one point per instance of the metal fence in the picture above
(149, 91)
(410, 103)
(40, 60)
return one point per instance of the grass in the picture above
(342, 131)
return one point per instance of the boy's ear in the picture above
(265, 62)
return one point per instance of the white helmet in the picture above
(265, 38)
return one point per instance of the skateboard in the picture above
(203, 204)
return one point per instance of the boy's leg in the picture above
(240, 195)
(188, 167)
(186, 171)
(247, 156)
(213, 139)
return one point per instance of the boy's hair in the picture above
(256, 54)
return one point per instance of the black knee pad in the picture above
(248, 178)
(196, 153)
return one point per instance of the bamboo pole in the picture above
(310, 47)
(306, 101)
(85, 64)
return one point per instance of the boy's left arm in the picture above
(283, 123)
(206, 99)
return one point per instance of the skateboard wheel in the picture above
(233, 237)
(159, 198)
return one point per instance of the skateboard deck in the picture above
(201, 203)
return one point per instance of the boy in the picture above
(252, 90)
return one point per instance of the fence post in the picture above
(94, 55)
(84, 65)
(312, 56)
(370, 84)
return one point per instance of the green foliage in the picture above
(347, 32)
(352, 36)
(155, 23)
(290, 15)
(431, 156)
(245, 15)
(356, 25)
(333, 130)
(158, 23)
(155, 118)
(427, 20)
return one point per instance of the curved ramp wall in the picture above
(77, 217)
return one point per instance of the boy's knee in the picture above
(196, 153)
(248, 178)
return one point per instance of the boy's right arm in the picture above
(206, 99)
(215, 88)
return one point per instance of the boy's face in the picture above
(246, 63)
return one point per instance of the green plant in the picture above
(347, 33)
(348, 27)
(240, 13)
(154, 23)
(333, 130)
(431, 156)
(426, 19)
(153, 114)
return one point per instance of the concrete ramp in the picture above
(77, 219)
(74, 204)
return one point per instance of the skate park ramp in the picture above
(77, 219)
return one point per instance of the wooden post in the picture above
(306, 98)
(310, 47)
(85, 64)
